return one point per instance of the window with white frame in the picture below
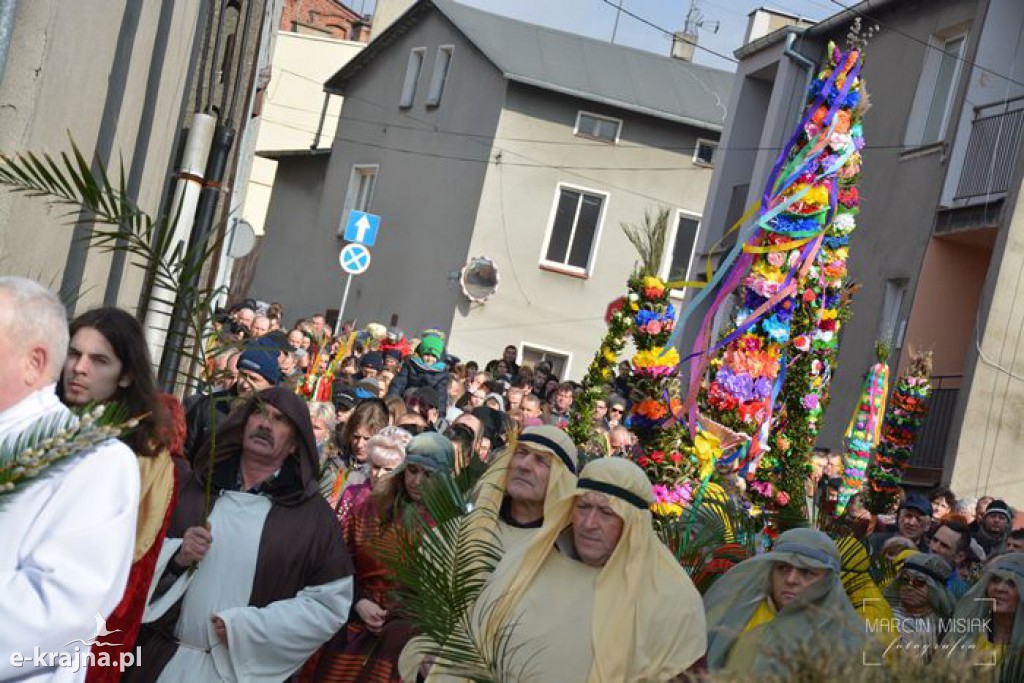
(574, 228)
(361, 183)
(704, 152)
(933, 102)
(595, 127)
(680, 246)
(889, 326)
(412, 76)
(440, 77)
(533, 354)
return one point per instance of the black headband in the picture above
(544, 441)
(613, 490)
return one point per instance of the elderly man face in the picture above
(318, 324)
(789, 582)
(25, 363)
(528, 474)
(269, 436)
(295, 338)
(260, 326)
(596, 528)
(244, 317)
(620, 440)
(911, 523)
(250, 381)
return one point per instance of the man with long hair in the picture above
(108, 362)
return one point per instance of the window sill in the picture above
(922, 151)
(563, 270)
(594, 138)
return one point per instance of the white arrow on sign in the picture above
(362, 227)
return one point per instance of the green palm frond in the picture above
(120, 225)
(30, 455)
(649, 239)
(708, 525)
(440, 572)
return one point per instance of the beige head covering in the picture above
(561, 481)
(648, 619)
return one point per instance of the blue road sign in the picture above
(362, 227)
(354, 259)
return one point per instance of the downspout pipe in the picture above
(8, 9)
(799, 58)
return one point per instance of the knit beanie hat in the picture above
(431, 344)
(999, 507)
(263, 362)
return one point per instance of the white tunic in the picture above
(264, 643)
(66, 546)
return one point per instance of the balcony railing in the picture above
(996, 135)
(930, 448)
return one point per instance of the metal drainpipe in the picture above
(799, 58)
(8, 8)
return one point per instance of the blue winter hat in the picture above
(430, 451)
(263, 362)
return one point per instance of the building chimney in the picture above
(683, 45)
(762, 21)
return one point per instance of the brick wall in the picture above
(325, 18)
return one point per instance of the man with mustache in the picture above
(251, 590)
(594, 594)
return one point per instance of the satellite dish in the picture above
(243, 239)
(479, 279)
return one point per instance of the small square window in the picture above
(596, 127)
(704, 152)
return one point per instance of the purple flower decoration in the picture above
(741, 386)
(810, 401)
(762, 388)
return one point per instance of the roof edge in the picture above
(618, 104)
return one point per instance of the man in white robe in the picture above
(66, 538)
(252, 595)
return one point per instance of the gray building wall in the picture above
(113, 76)
(432, 163)
(650, 167)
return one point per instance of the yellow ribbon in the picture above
(782, 246)
(697, 284)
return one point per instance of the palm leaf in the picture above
(31, 455)
(440, 572)
(69, 181)
(649, 240)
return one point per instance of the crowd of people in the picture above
(242, 534)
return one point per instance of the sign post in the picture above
(354, 260)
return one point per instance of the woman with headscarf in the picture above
(373, 637)
(992, 609)
(594, 595)
(920, 601)
(777, 602)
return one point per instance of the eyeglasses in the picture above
(913, 582)
(615, 410)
